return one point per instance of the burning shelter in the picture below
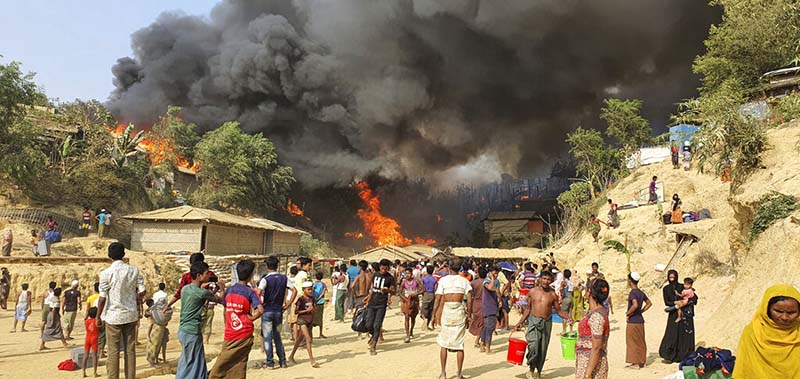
(518, 225)
(187, 228)
(392, 253)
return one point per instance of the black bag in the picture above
(360, 320)
(667, 218)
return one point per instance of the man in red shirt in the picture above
(186, 279)
(242, 307)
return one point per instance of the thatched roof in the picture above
(187, 213)
(389, 252)
(487, 253)
(279, 226)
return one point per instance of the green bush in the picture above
(787, 108)
(772, 207)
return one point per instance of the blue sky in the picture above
(71, 45)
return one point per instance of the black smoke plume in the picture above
(455, 91)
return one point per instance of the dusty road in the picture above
(343, 354)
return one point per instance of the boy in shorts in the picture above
(92, 340)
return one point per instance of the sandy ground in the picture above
(344, 355)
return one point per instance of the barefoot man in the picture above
(452, 316)
(541, 300)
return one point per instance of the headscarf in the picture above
(676, 285)
(765, 350)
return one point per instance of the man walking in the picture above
(121, 292)
(8, 240)
(352, 272)
(272, 288)
(541, 300)
(383, 286)
(72, 303)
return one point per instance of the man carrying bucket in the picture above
(541, 300)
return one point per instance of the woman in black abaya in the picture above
(678, 341)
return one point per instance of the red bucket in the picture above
(516, 350)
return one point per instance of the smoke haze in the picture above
(449, 90)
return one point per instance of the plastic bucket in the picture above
(516, 351)
(557, 318)
(568, 345)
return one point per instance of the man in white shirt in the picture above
(160, 294)
(121, 293)
(453, 316)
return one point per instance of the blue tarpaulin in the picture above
(682, 132)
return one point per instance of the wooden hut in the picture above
(187, 228)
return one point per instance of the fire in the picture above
(159, 150)
(524, 197)
(383, 230)
(439, 218)
(294, 209)
(356, 235)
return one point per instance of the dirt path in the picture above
(343, 354)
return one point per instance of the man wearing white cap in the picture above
(72, 303)
(635, 342)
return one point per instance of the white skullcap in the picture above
(635, 276)
(307, 284)
(74, 283)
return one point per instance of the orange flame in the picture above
(293, 209)
(356, 235)
(160, 149)
(383, 230)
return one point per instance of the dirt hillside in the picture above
(730, 274)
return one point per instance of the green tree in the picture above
(240, 171)
(181, 136)
(729, 138)
(312, 247)
(17, 93)
(596, 162)
(753, 37)
(625, 123)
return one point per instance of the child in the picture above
(409, 301)
(192, 363)
(686, 295)
(320, 289)
(23, 309)
(92, 341)
(304, 311)
(242, 307)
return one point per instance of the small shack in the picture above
(188, 228)
(520, 224)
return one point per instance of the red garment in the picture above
(68, 365)
(239, 301)
(92, 335)
(186, 279)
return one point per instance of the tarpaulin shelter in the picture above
(682, 132)
(389, 252)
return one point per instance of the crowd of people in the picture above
(41, 238)
(456, 296)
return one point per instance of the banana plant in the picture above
(623, 248)
(125, 146)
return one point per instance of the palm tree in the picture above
(623, 248)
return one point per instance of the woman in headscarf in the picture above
(770, 345)
(677, 214)
(678, 341)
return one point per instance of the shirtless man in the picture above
(360, 285)
(540, 322)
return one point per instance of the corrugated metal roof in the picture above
(189, 213)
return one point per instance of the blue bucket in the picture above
(556, 317)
